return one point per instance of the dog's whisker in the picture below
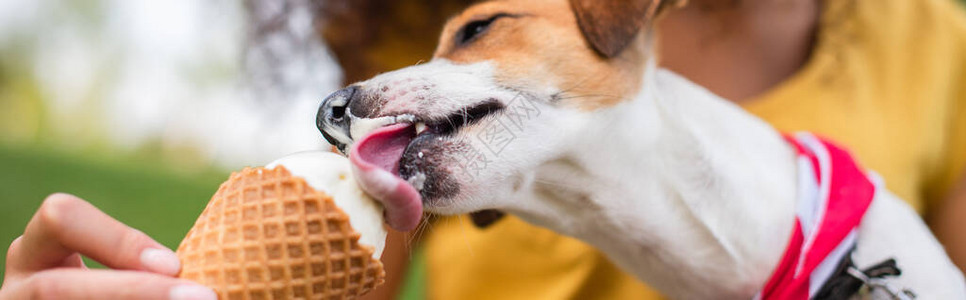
(566, 91)
(593, 97)
(578, 84)
(589, 96)
(420, 230)
(424, 228)
(551, 183)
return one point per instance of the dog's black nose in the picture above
(333, 118)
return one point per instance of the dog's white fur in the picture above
(677, 186)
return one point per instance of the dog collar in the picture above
(834, 193)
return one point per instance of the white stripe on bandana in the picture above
(834, 193)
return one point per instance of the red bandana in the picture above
(834, 194)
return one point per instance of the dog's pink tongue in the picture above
(375, 163)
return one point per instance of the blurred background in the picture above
(143, 107)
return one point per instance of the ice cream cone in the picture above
(267, 234)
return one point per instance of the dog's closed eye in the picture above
(472, 30)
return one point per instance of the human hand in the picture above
(45, 262)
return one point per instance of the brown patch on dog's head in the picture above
(590, 50)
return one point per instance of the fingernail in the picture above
(192, 292)
(160, 261)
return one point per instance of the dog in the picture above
(555, 111)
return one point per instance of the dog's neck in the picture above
(683, 189)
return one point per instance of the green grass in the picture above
(414, 285)
(146, 195)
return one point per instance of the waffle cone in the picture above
(268, 235)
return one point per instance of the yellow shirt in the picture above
(887, 79)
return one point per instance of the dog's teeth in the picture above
(420, 127)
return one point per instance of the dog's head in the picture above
(508, 89)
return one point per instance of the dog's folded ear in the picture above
(610, 25)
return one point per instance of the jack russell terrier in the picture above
(555, 111)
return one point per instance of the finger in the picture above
(105, 284)
(65, 224)
(73, 261)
